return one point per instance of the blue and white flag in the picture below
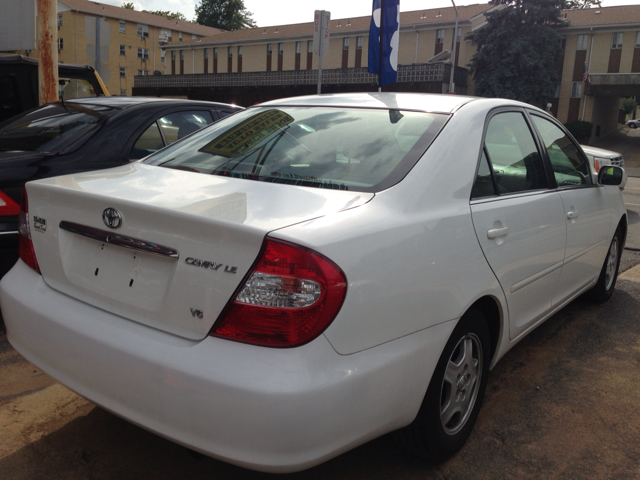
(387, 14)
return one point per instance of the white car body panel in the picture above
(276, 410)
(414, 263)
(599, 157)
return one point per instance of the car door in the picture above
(518, 218)
(588, 222)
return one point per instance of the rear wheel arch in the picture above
(492, 311)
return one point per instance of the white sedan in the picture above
(312, 273)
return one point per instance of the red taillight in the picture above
(288, 299)
(25, 245)
(7, 205)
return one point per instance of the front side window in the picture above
(570, 167)
(318, 147)
(512, 152)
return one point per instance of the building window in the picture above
(240, 51)
(459, 34)
(345, 43)
(298, 47)
(123, 49)
(269, 48)
(440, 36)
(123, 91)
(182, 55)
(59, 20)
(280, 48)
(122, 26)
(194, 37)
(230, 51)
(143, 31)
(123, 72)
(557, 92)
(359, 42)
(179, 36)
(173, 55)
(583, 40)
(206, 53)
(169, 36)
(310, 46)
(163, 55)
(143, 72)
(616, 40)
(576, 89)
(60, 43)
(143, 53)
(215, 52)
(637, 39)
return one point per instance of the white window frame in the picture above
(60, 44)
(582, 43)
(143, 53)
(358, 42)
(123, 27)
(616, 40)
(576, 89)
(59, 20)
(142, 30)
(123, 49)
(123, 72)
(143, 72)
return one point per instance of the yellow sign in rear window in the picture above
(248, 134)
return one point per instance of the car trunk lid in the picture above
(183, 244)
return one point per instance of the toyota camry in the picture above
(311, 273)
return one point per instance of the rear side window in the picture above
(338, 148)
(570, 167)
(513, 155)
(51, 128)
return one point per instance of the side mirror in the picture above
(610, 175)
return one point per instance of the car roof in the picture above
(126, 102)
(387, 100)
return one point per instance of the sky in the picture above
(282, 12)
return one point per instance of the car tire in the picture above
(459, 380)
(603, 289)
(632, 125)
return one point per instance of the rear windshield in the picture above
(339, 148)
(50, 128)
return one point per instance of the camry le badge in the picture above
(111, 217)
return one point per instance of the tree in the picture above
(628, 105)
(517, 50)
(224, 14)
(168, 14)
(128, 5)
(579, 4)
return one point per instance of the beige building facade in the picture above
(120, 43)
(603, 41)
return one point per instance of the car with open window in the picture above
(314, 272)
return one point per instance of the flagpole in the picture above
(381, 34)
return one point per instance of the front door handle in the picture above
(497, 232)
(573, 214)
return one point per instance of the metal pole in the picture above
(584, 100)
(453, 51)
(381, 35)
(47, 50)
(320, 42)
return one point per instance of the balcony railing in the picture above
(425, 72)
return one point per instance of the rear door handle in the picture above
(497, 232)
(573, 214)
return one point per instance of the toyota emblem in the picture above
(112, 218)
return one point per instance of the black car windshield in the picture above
(51, 128)
(325, 147)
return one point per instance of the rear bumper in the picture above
(277, 410)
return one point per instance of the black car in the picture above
(86, 134)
